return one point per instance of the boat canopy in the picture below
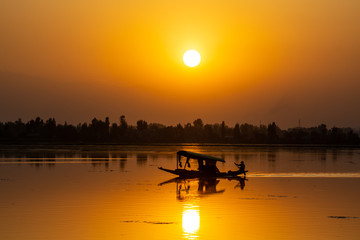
(198, 156)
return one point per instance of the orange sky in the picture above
(262, 61)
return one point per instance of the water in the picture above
(117, 192)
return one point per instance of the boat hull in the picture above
(194, 174)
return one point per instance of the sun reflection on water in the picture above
(190, 221)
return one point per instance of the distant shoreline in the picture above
(99, 132)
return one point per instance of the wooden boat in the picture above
(206, 166)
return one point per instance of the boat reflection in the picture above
(193, 188)
(241, 183)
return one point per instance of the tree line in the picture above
(102, 131)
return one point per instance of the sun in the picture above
(191, 58)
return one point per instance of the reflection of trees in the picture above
(40, 164)
(334, 155)
(121, 158)
(141, 159)
(246, 155)
(99, 158)
(49, 156)
(271, 156)
(100, 131)
(323, 154)
(122, 164)
(30, 156)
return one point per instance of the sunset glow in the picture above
(191, 120)
(124, 54)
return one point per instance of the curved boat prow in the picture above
(167, 170)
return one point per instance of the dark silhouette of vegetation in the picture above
(102, 131)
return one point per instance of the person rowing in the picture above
(241, 166)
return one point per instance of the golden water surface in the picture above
(117, 192)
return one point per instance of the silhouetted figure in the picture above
(241, 167)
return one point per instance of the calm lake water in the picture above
(117, 192)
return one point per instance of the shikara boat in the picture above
(205, 166)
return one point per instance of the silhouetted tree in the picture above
(102, 131)
(246, 133)
(223, 130)
(237, 131)
(50, 127)
(123, 123)
(272, 132)
(141, 125)
(198, 123)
